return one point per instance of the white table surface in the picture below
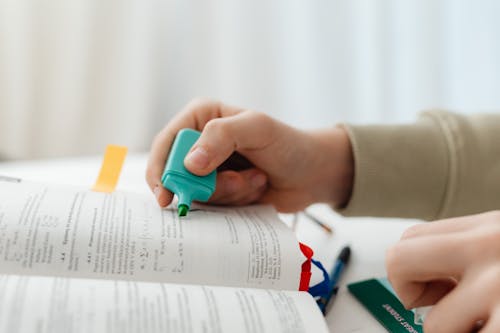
(368, 237)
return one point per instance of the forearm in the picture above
(443, 165)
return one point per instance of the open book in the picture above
(73, 260)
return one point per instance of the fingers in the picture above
(493, 323)
(426, 258)
(431, 292)
(439, 227)
(163, 197)
(287, 201)
(195, 115)
(430, 252)
(450, 225)
(221, 137)
(454, 265)
(459, 311)
(414, 262)
(239, 188)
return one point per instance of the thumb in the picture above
(223, 136)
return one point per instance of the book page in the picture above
(67, 231)
(45, 304)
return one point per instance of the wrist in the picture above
(335, 165)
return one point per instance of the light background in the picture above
(77, 75)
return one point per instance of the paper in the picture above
(67, 231)
(44, 304)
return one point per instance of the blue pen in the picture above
(338, 268)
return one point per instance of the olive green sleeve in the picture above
(443, 165)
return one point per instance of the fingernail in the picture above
(198, 158)
(258, 180)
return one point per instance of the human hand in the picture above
(286, 167)
(454, 264)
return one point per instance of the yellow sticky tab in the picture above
(110, 169)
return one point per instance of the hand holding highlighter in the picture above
(186, 185)
(284, 166)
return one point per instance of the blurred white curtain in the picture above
(76, 75)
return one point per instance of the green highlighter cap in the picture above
(179, 180)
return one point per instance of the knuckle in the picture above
(392, 261)
(265, 125)
(412, 231)
(486, 242)
(490, 277)
(493, 215)
(264, 120)
(218, 126)
(199, 102)
(259, 116)
(493, 236)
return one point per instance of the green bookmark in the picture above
(377, 296)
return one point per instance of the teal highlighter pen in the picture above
(176, 178)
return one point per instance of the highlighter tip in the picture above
(182, 210)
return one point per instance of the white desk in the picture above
(368, 237)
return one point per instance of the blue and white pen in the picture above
(338, 268)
